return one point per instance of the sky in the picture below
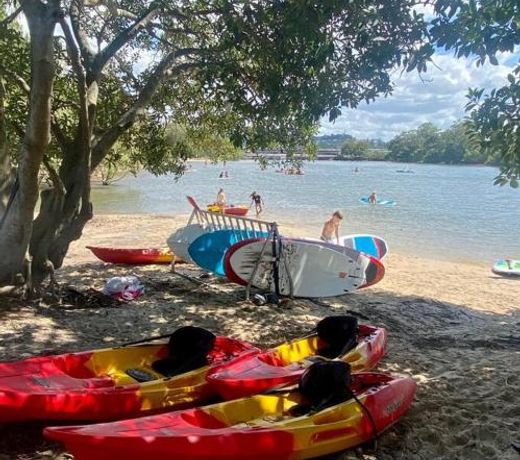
(439, 97)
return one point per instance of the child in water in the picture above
(257, 200)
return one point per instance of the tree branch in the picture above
(11, 17)
(161, 73)
(75, 12)
(19, 80)
(78, 68)
(59, 188)
(5, 160)
(60, 136)
(123, 38)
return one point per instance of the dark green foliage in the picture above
(483, 29)
(354, 149)
(494, 124)
(427, 144)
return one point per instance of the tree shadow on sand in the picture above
(466, 362)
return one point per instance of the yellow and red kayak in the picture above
(251, 374)
(105, 384)
(240, 210)
(260, 427)
(133, 256)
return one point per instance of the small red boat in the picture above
(240, 210)
(283, 365)
(272, 426)
(109, 384)
(133, 256)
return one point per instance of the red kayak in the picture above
(230, 210)
(283, 365)
(133, 256)
(113, 383)
(286, 426)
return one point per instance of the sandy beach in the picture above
(452, 326)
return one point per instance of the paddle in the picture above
(147, 339)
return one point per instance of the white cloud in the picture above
(438, 96)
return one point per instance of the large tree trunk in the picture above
(5, 164)
(16, 231)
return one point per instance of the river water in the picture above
(444, 212)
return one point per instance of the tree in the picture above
(404, 147)
(427, 144)
(484, 29)
(354, 149)
(18, 223)
(254, 72)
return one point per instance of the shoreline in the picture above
(455, 282)
(294, 228)
(252, 160)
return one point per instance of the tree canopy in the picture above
(484, 29)
(429, 144)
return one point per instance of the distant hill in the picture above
(336, 141)
(333, 141)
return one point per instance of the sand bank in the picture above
(452, 326)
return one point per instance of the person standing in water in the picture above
(257, 200)
(221, 199)
(331, 228)
(372, 199)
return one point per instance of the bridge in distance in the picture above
(321, 154)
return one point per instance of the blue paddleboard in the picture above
(368, 244)
(208, 250)
(364, 200)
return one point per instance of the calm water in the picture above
(448, 212)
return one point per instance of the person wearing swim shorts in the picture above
(257, 200)
(330, 231)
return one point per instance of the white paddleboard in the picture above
(180, 240)
(372, 245)
(310, 269)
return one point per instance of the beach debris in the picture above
(124, 288)
(72, 297)
(262, 299)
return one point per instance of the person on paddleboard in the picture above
(331, 228)
(257, 200)
(372, 199)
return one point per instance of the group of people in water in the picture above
(291, 171)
